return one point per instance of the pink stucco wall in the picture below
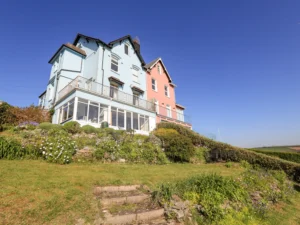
(163, 100)
(159, 95)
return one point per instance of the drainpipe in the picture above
(102, 69)
(56, 85)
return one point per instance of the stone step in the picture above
(122, 200)
(99, 190)
(132, 218)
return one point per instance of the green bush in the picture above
(209, 192)
(88, 129)
(178, 148)
(72, 127)
(58, 149)
(11, 149)
(219, 151)
(49, 126)
(201, 153)
(289, 156)
(134, 149)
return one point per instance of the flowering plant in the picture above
(58, 149)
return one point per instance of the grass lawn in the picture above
(36, 192)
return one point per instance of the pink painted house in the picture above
(161, 91)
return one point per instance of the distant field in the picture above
(279, 149)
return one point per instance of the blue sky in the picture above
(236, 63)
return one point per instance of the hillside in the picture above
(58, 167)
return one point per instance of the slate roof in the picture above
(70, 46)
(110, 44)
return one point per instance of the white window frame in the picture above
(167, 91)
(114, 61)
(155, 84)
(169, 111)
(135, 75)
(126, 45)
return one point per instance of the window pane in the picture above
(113, 92)
(121, 118)
(71, 110)
(126, 49)
(65, 112)
(113, 116)
(93, 114)
(82, 111)
(142, 121)
(135, 100)
(128, 121)
(114, 67)
(103, 113)
(135, 121)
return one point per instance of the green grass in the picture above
(286, 213)
(277, 148)
(36, 192)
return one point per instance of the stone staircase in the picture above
(128, 205)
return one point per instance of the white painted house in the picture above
(93, 82)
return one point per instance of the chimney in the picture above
(137, 46)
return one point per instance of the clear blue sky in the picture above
(236, 63)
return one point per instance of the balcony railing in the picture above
(82, 83)
(173, 116)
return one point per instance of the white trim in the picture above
(159, 59)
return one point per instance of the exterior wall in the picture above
(93, 65)
(66, 66)
(110, 103)
(159, 95)
(92, 62)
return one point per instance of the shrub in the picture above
(178, 148)
(88, 129)
(11, 149)
(58, 149)
(289, 156)
(209, 192)
(201, 153)
(49, 126)
(222, 151)
(72, 127)
(5, 116)
(28, 125)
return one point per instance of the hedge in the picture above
(289, 156)
(224, 152)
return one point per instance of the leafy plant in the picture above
(88, 129)
(72, 127)
(58, 149)
(177, 148)
(11, 149)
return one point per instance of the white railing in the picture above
(173, 115)
(106, 91)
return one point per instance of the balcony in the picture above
(81, 83)
(169, 115)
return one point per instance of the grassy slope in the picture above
(286, 213)
(277, 148)
(36, 192)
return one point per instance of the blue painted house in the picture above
(93, 82)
